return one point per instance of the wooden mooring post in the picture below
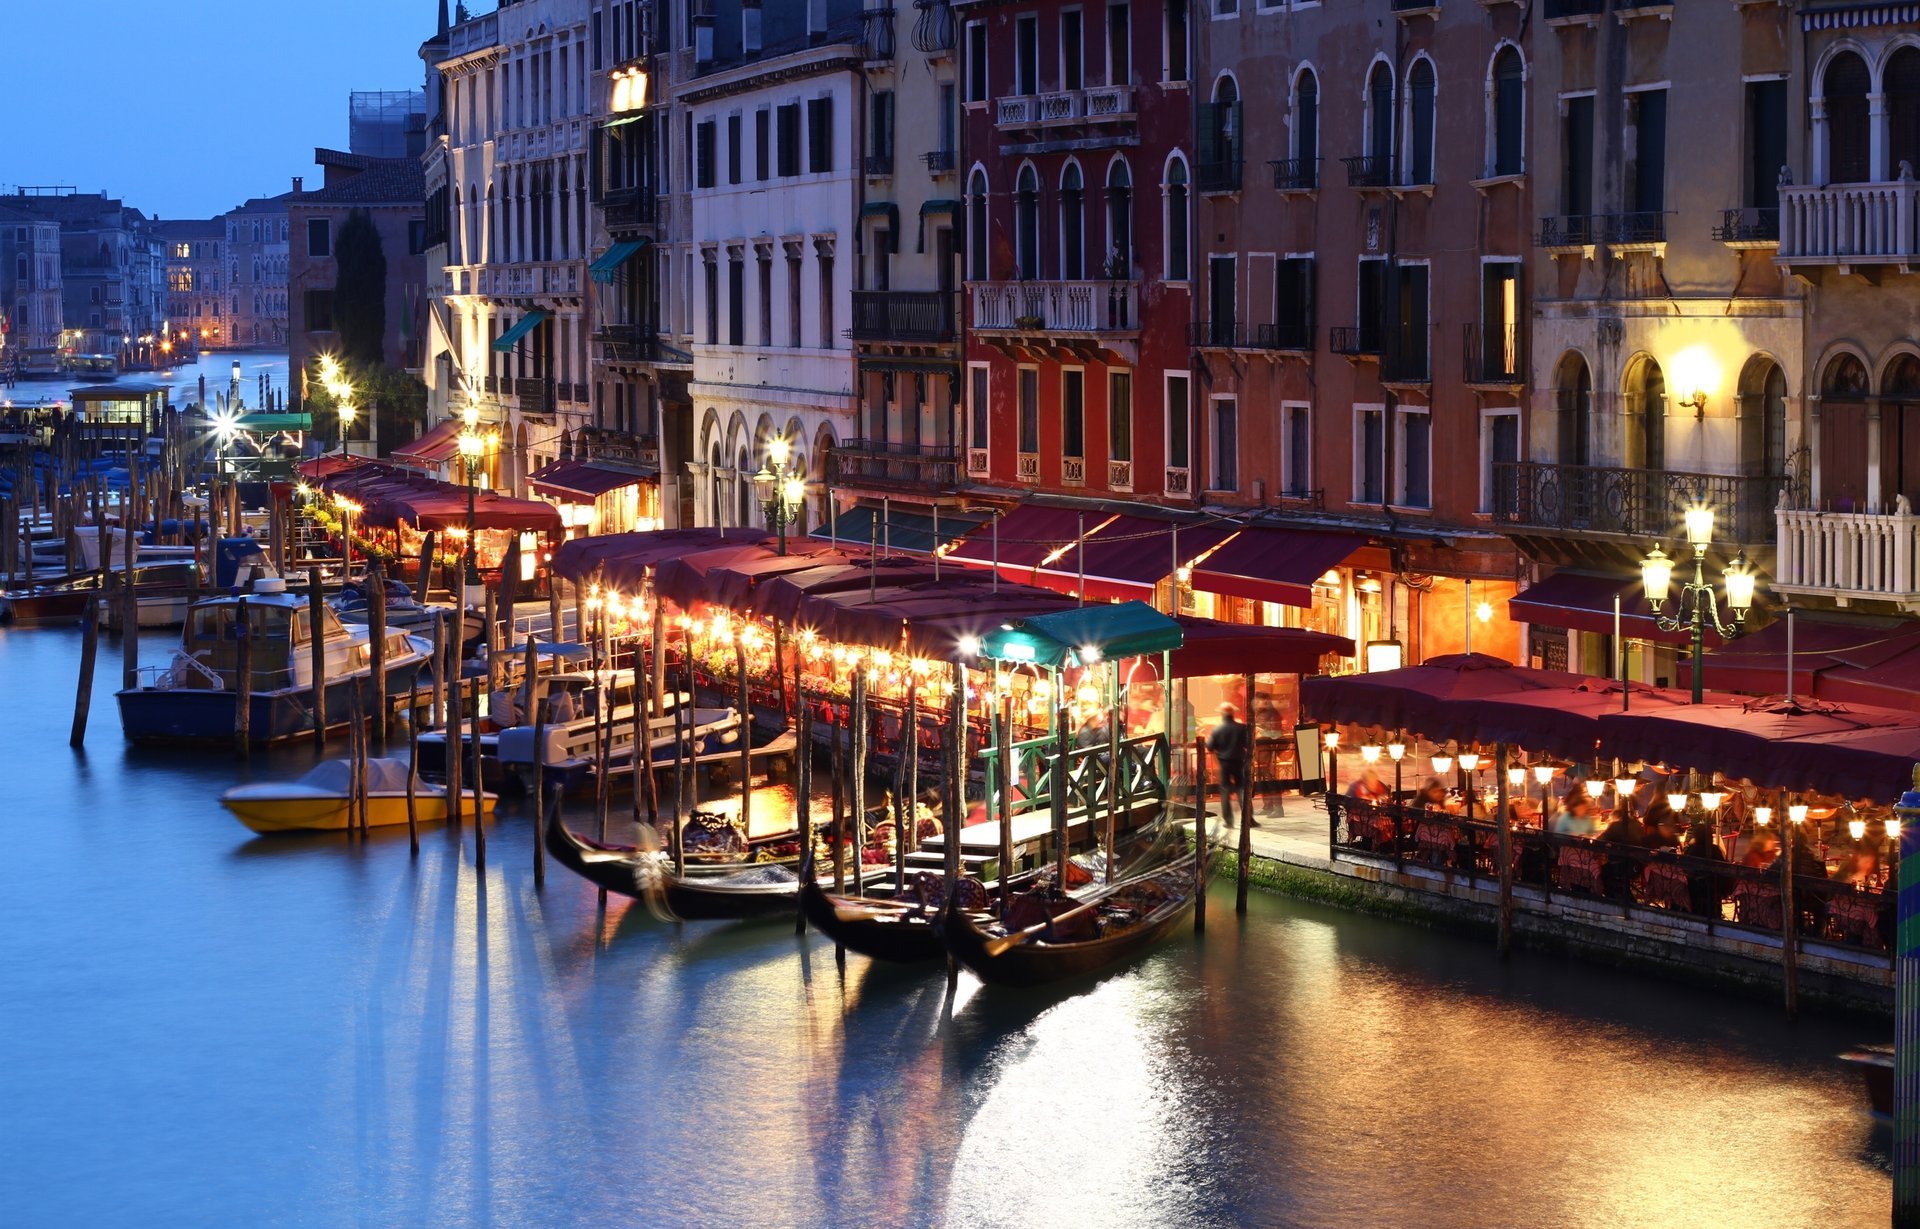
(1199, 835)
(89, 649)
(317, 655)
(242, 680)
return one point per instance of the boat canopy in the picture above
(384, 776)
(1084, 635)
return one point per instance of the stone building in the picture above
(259, 247)
(196, 313)
(30, 287)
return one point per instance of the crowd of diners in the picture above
(1647, 834)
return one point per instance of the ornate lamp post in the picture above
(472, 446)
(781, 488)
(1698, 607)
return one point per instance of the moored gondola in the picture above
(904, 931)
(738, 890)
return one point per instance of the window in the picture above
(1647, 110)
(1026, 55)
(1030, 409)
(1218, 155)
(1221, 313)
(733, 148)
(977, 227)
(1306, 129)
(1500, 446)
(713, 300)
(1226, 445)
(819, 135)
(977, 62)
(319, 311)
(1119, 220)
(949, 121)
(1120, 415)
(762, 143)
(826, 299)
(766, 298)
(1026, 217)
(1416, 459)
(789, 124)
(1499, 354)
(880, 132)
(1073, 412)
(978, 407)
(416, 238)
(1767, 140)
(1179, 421)
(1380, 116)
(736, 299)
(1175, 68)
(704, 136)
(1072, 50)
(319, 237)
(1418, 163)
(1845, 86)
(1509, 113)
(794, 313)
(1293, 303)
(1072, 223)
(1296, 444)
(1576, 145)
(1372, 314)
(1370, 457)
(1225, 8)
(1179, 259)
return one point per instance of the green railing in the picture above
(1141, 771)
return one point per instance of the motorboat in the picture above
(567, 756)
(65, 600)
(318, 801)
(193, 698)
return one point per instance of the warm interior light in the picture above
(1762, 816)
(1656, 575)
(1699, 521)
(1484, 612)
(1443, 764)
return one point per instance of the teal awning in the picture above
(1126, 629)
(907, 532)
(603, 269)
(526, 324)
(890, 212)
(276, 422)
(951, 208)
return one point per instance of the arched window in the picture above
(1845, 85)
(1119, 220)
(743, 487)
(977, 227)
(1900, 430)
(1573, 390)
(1646, 389)
(1380, 116)
(713, 485)
(1763, 417)
(1509, 112)
(1175, 222)
(1306, 130)
(1418, 156)
(1073, 223)
(1219, 129)
(1026, 222)
(1900, 82)
(1844, 431)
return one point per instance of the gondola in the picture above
(881, 929)
(736, 890)
(1161, 900)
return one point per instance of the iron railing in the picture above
(889, 463)
(939, 161)
(879, 164)
(1557, 9)
(1405, 354)
(1632, 502)
(1752, 225)
(626, 208)
(1494, 354)
(1353, 340)
(1369, 171)
(1220, 176)
(934, 28)
(902, 315)
(1296, 174)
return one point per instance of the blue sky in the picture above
(187, 109)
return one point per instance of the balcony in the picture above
(1073, 471)
(1369, 171)
(878, 165)
(902, 315)
(1415, 8)
(934, 28)
(1493, 355)
(1017, 111)
(1229, 335)
(1120, 475)
(529, 281)
(877, 33)
(885, 464)
(1748, 228)
(1354, 342)
(630, 208)
(1849, 224)
(1093, 105)
(1179, 480)
(1027, 466)
(1221, 176)
(1597, 501)
(1849, 556)
(629, 343)
(1642, 230)
(1296, 174)
(1056, 307)
(1109, 102)
(1060, 107)
(939, 161)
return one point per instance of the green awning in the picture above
(890, 212)
(603, 269)
(526, 324)
(1062, 638)
(276, 422)
(951, 208)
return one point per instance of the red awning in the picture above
(1273, 565)
(566, 480)
(1026, 536)
(1861, 661)
(440, 444)
(624, 558)
(1211, 647)
(1584, 603)
(1131, 554)
(328, 464)
(1858, 752)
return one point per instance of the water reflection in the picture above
(214, 1028)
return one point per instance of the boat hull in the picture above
(328, 813)
(902, 936)
(43, 609)
(188, 716)
(697, 896)
(1036, 963)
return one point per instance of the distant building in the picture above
(29, 282)
(258, 245)
(111, 270)
(387, 123)
(196, 272)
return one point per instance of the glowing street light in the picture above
(1698, 607)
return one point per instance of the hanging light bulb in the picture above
(1857, 829)
(1396, 751)
(1469, 760)
(1711, 799)
(1443, 764)
(1596, 786)
(1797, 812)
(1762, 816)
(1370, 752)
(1516, 776)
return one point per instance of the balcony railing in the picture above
(1640, 503)
(879, 164)
(1017, 111)
(1405, 353)
(1296, 174)
(1092, 105)
(1558, 9)
(1642, 228)
(1353, 341)
(939, 161)
(886, 463)
(1056, 307)
(1751, 227)
(1852, 555)
(1060, 106)
(1369, 171)
(1228, 334)
(1221, 176)
(1120, 475)
(630, 208)
(1843, 224)
(1109, 102)
(934, 28)
(1073, 471)
(878, 33)
(1179, 480)
(902, 315)
(629, 343)
(1494, 354)
(1027, 466)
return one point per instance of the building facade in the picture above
(30, 275)
(259, 248)
(112, 272)
(196, 312)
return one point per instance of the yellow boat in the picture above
(317, 802)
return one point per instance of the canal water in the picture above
(184, 380)
(202, 1027)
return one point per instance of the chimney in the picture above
(299, 184)
(703, 32)
(750, 27)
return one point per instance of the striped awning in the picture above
(526, 324)
(609, 261)
(1859, 16)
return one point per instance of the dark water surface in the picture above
(201, 1027)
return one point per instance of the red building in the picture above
(1077, 247)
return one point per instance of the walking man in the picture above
(1230, 741)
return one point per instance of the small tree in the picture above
(360, 292)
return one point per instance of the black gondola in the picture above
(880, 929)
(716, 893)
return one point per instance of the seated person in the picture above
(1662, 826)
(1368, 787)
(1862, 867)
(1705, 889)
(1577, 817)
(1523, 813)
(1432, 795)
(1763, 847)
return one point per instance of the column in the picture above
(1877, 136)
(1817, 142)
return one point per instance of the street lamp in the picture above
(472, 446)
(781, 487)
(1698, 607)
